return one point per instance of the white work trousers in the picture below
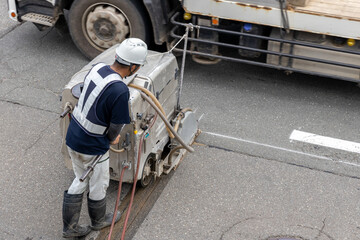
(98, 180)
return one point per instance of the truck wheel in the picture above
(97, 25)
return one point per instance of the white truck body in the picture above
(316, 37)
(336, 18)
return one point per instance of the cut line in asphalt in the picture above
(279, 148)
(324, 141)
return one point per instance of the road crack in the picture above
(40, 136)
(235, 224)
(320, 231)
(57, 94)
(12, 90)
(24, 105)
(8, 67)
(10, 30)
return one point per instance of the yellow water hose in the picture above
(172, 153)
(157, 103)
(180, 116)
(163, 117)
(117, 150)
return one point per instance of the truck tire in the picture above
(97, 25)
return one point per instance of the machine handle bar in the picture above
(66, 111)
(90, 168)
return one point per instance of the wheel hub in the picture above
(146, 174)
(104, 30)
(106, 26)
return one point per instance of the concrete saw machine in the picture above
(160, 132)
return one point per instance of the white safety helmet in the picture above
(131, 51)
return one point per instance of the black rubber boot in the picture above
(99, 219)
(71, 214)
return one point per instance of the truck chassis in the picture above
(314, 37)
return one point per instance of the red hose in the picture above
(133, 189)
(135, 180)
(117, 201)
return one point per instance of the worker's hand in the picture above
(116, 141)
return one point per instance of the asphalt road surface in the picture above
(247, 115)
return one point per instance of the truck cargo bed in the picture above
(345, 9)
(337, 17)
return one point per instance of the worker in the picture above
(97, 119)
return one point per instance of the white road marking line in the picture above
(280, 148)
(202, 115)
(266, 145)
(325, 141)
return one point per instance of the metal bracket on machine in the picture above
(126, 164)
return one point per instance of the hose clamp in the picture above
(126, 165)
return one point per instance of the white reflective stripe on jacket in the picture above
(82, 108)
